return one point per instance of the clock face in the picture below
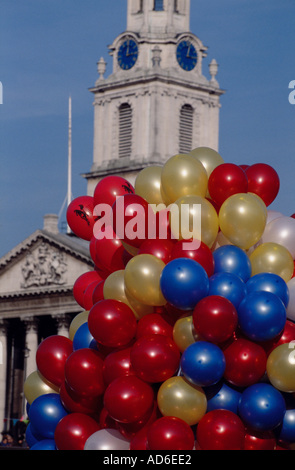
(186, 54)
(128, 54)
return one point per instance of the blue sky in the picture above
(49, 50)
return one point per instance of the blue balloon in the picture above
(203, 363)
(232, 259)
(83, 338)
(31, 437)
(269, 282)
(262, 316)
(222, 397)
(45, 413)
(286, 431)
(228, 285)
(46, 444)
(262, 407)
(183, 283)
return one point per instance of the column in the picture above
(3, 371)
(31, 325)
(63, 324)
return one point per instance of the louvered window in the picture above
(125, 130)
(186, 129)
(159, 5)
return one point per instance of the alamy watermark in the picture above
(292, 94)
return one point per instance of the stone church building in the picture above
(156, 103)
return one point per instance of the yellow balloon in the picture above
(194, 217)
(148, 184)
(178, 397)
(272, 258)
(36, 385)
(77, 321)
(184, 333)
(280, 367)
(183, 175)
(142, 279)
(242, 219)
(209, 158)
(132, 250)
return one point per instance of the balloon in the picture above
(109, 188)
(97, 293)
(170, 433)
(287, 428)
(184, 333)
(272, 258)
(112, 323)
(75, 403)
(154, 358)
(203, 363)
(117, 364)
(128, 399)
(107, 439)
(45, 413)
(83, 338)
(45, 444)
(262, 316)
(225, 180)
(36, 385)
(258, 440)
(142, 279)
(269, 282)
(209, 158)
(155, 324)
(221, 430)
(291, 304)
(83, 372)
(232, 259)
(80, 217)
(245, 362)
(148, 184)
(183, 175)
(157, 247)
(88, 295)
(264, 181)
(282, 232)
(222, 396)
(109, 252)
(81, 284)
(182, 399)
(183, 283)
(228, 285)
(242, 219)
(200, 253)
(31, 438)
(215, 318)
(194, 217)
(281, 367)
(262, 407)
(51, 357)
(77, 321)
(73, 430)
(287, 336)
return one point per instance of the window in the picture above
(159, 5)
(140, 10)
(186, 128)
(176, 6)
(125, 130)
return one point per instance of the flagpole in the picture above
(69, 196)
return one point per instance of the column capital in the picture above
(31, 324)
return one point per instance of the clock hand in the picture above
(188, 51)
(127, 53)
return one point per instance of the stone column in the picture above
(3, 371)
(63, 324)
(31, 324)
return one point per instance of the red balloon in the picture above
(139, 440)
(97, 293)
(245, 362)
(259, 440)
(129, 430)
(105, 420)
(225, 180)
(128, 399)
(75, 403)
(80, 217)
(221, 430)
(51, 357)
(117, 364)
(109, 188)
(202, 254)
(88, 295)
(170, 433)
(264, 181)
(155, 358)
(287, 335)
(153, 324)
(162, 226)
(84, 372)
(157, 247)
(73, 430)
(215, 318)
(109, 253)
(112, 323)
(81, 284)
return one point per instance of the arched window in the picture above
(186, 128)
(125, 130)
(158, 5)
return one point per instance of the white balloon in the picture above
(272, 215)
(107, 439)
(281, 231)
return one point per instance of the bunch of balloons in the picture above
(186, 336)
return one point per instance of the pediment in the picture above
(43, 263)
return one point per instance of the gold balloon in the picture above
(132, 250)
(209, 158)
(195, 217)
(184, 333)
(36, 385)
(148, 184)
(272, 258)
(142, 279)
(178, 397)
(183, 175)
(77, 321)
(242, 219)
(280, 367)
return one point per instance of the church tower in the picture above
(157, 102)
